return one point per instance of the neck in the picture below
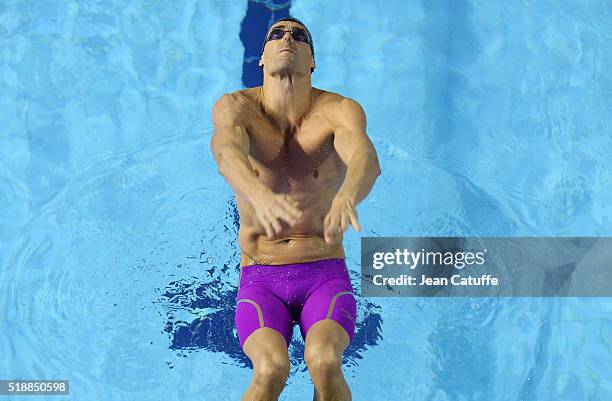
(286, 98)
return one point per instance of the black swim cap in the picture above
(292, 20)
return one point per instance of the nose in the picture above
(288, 35)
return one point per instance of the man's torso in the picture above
(303, 164)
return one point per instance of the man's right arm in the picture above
(230, 147)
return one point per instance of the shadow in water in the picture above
(214, 330)
(200, 314)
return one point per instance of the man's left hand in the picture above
(340, 215)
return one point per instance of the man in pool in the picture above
(299, 161)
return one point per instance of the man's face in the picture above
(286, 54)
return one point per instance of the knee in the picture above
(323, 361)
(271, 372)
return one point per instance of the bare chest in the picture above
(304, 158)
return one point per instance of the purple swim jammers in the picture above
(278, 296)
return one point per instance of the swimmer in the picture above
(299, 161)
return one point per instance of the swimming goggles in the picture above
(298, 34)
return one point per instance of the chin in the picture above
(285, 68)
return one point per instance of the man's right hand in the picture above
(270, 207)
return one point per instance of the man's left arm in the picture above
(358, 153)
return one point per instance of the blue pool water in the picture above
(118, 256)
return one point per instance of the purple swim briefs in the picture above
(278, 296)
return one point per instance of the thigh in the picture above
(331, 300)
(266, 348)
(257, 308)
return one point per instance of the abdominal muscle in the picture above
(304, 242)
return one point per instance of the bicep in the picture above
(350, 130)
(229, 131)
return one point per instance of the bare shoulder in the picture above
(339, 108)
(326, 98)
(234, 107)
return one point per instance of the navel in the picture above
(315, 173)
